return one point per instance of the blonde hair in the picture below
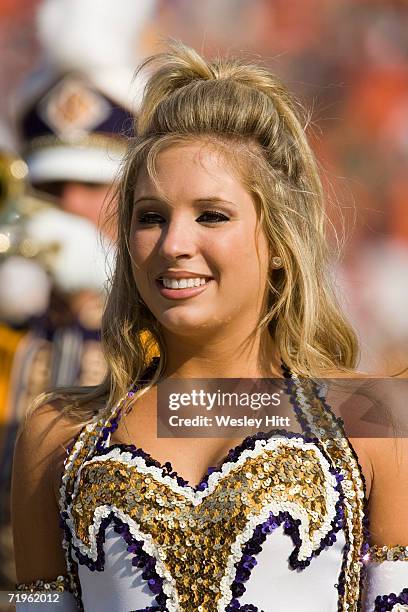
(227, 101)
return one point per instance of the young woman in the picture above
(222, 261)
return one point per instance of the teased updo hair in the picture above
(249, 114)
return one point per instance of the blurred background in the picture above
(67, 98)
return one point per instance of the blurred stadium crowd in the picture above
(68, 95)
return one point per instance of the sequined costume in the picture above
(279, 526)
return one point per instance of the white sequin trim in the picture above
(354, 491)
(196, 497)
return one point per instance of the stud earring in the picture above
(276, 262)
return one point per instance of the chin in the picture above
(187, 324)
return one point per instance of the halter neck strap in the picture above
(108, 425)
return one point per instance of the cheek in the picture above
(245, 255)
(142, 245)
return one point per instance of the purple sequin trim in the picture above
(291, 527)
(383, 603)
(248, 561)
(291, 389)
(144, 561)
(74, 575)
(141, 559)
(167, 469)
(236, 607)
(254, 546)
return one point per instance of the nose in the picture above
(178, 240)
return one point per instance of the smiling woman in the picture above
(222, 270)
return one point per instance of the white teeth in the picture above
(182, 283)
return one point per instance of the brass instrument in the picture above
(13, 172)
(17, 205)
(34, 227)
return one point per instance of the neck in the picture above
(239, 356)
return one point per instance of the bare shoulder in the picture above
(47, 429)
(384, 463)
(43, 441)
(38, 458)
(388, 501)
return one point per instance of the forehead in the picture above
(191, 168)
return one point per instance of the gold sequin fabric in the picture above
(378, 554)
(197, 536)
(60, 584)
(321, 422)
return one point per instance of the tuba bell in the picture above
(17, 206)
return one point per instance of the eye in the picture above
(212, 216)
(149, 218)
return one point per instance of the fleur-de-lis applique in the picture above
(197, 536)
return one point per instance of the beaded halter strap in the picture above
(108, 425)
(317, 419)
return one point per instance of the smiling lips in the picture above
(181, 284)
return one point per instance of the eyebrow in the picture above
(214, 200)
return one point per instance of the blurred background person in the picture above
(74, 114)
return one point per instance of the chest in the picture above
(190, 457)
